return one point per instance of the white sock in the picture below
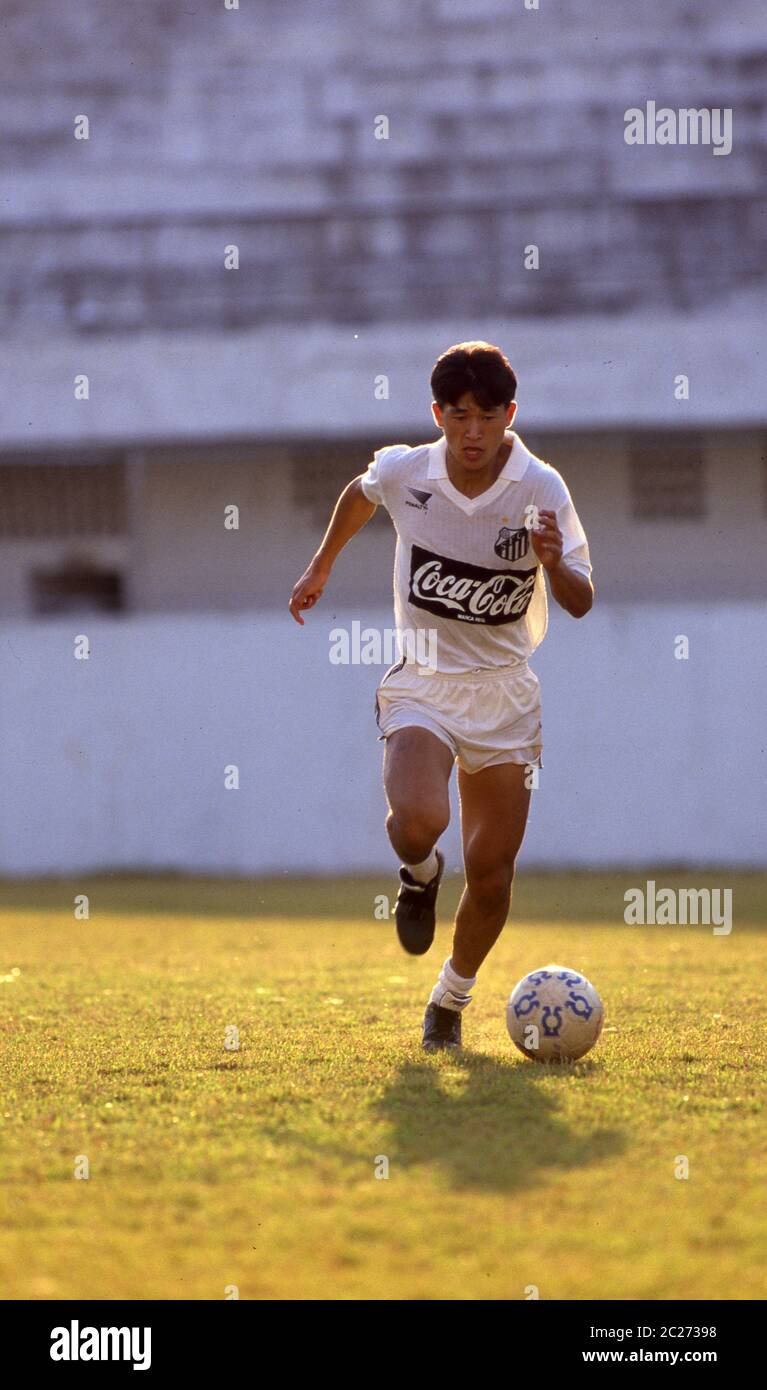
(425, 871)
(452, 991)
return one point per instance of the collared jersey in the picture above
(465, 567)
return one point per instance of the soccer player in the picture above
(478, 520)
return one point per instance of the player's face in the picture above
(473, 435)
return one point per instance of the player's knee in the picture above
(489, 882)
(415, 833)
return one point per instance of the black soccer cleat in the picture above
(415, 909)
(441, 1029)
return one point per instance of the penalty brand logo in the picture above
(421, 499)
(76, 1343)
(686, 126)
(468, 593)
(671, 907)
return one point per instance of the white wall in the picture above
(118, 761)
(314, 380)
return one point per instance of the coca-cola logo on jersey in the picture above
(469, 593)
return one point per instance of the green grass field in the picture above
(256, 1168)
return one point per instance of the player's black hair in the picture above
(477, 367)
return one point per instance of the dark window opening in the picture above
(321, 472)
(77, 587)
(667, 478)
(49, 500)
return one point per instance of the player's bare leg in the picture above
(417, 768)
(494, 807)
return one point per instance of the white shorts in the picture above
(484, 716)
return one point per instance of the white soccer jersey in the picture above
(465, 566)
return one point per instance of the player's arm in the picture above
(351, 512)
(572, 591)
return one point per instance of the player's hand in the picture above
(308, 589)
(547, 539)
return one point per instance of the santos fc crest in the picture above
(512, 545)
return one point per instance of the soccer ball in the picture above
(554, 1015)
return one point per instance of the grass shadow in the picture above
(489, 1124)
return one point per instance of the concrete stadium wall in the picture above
(362, 257)
(118, 761)
(176, 556)
(257, 127)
